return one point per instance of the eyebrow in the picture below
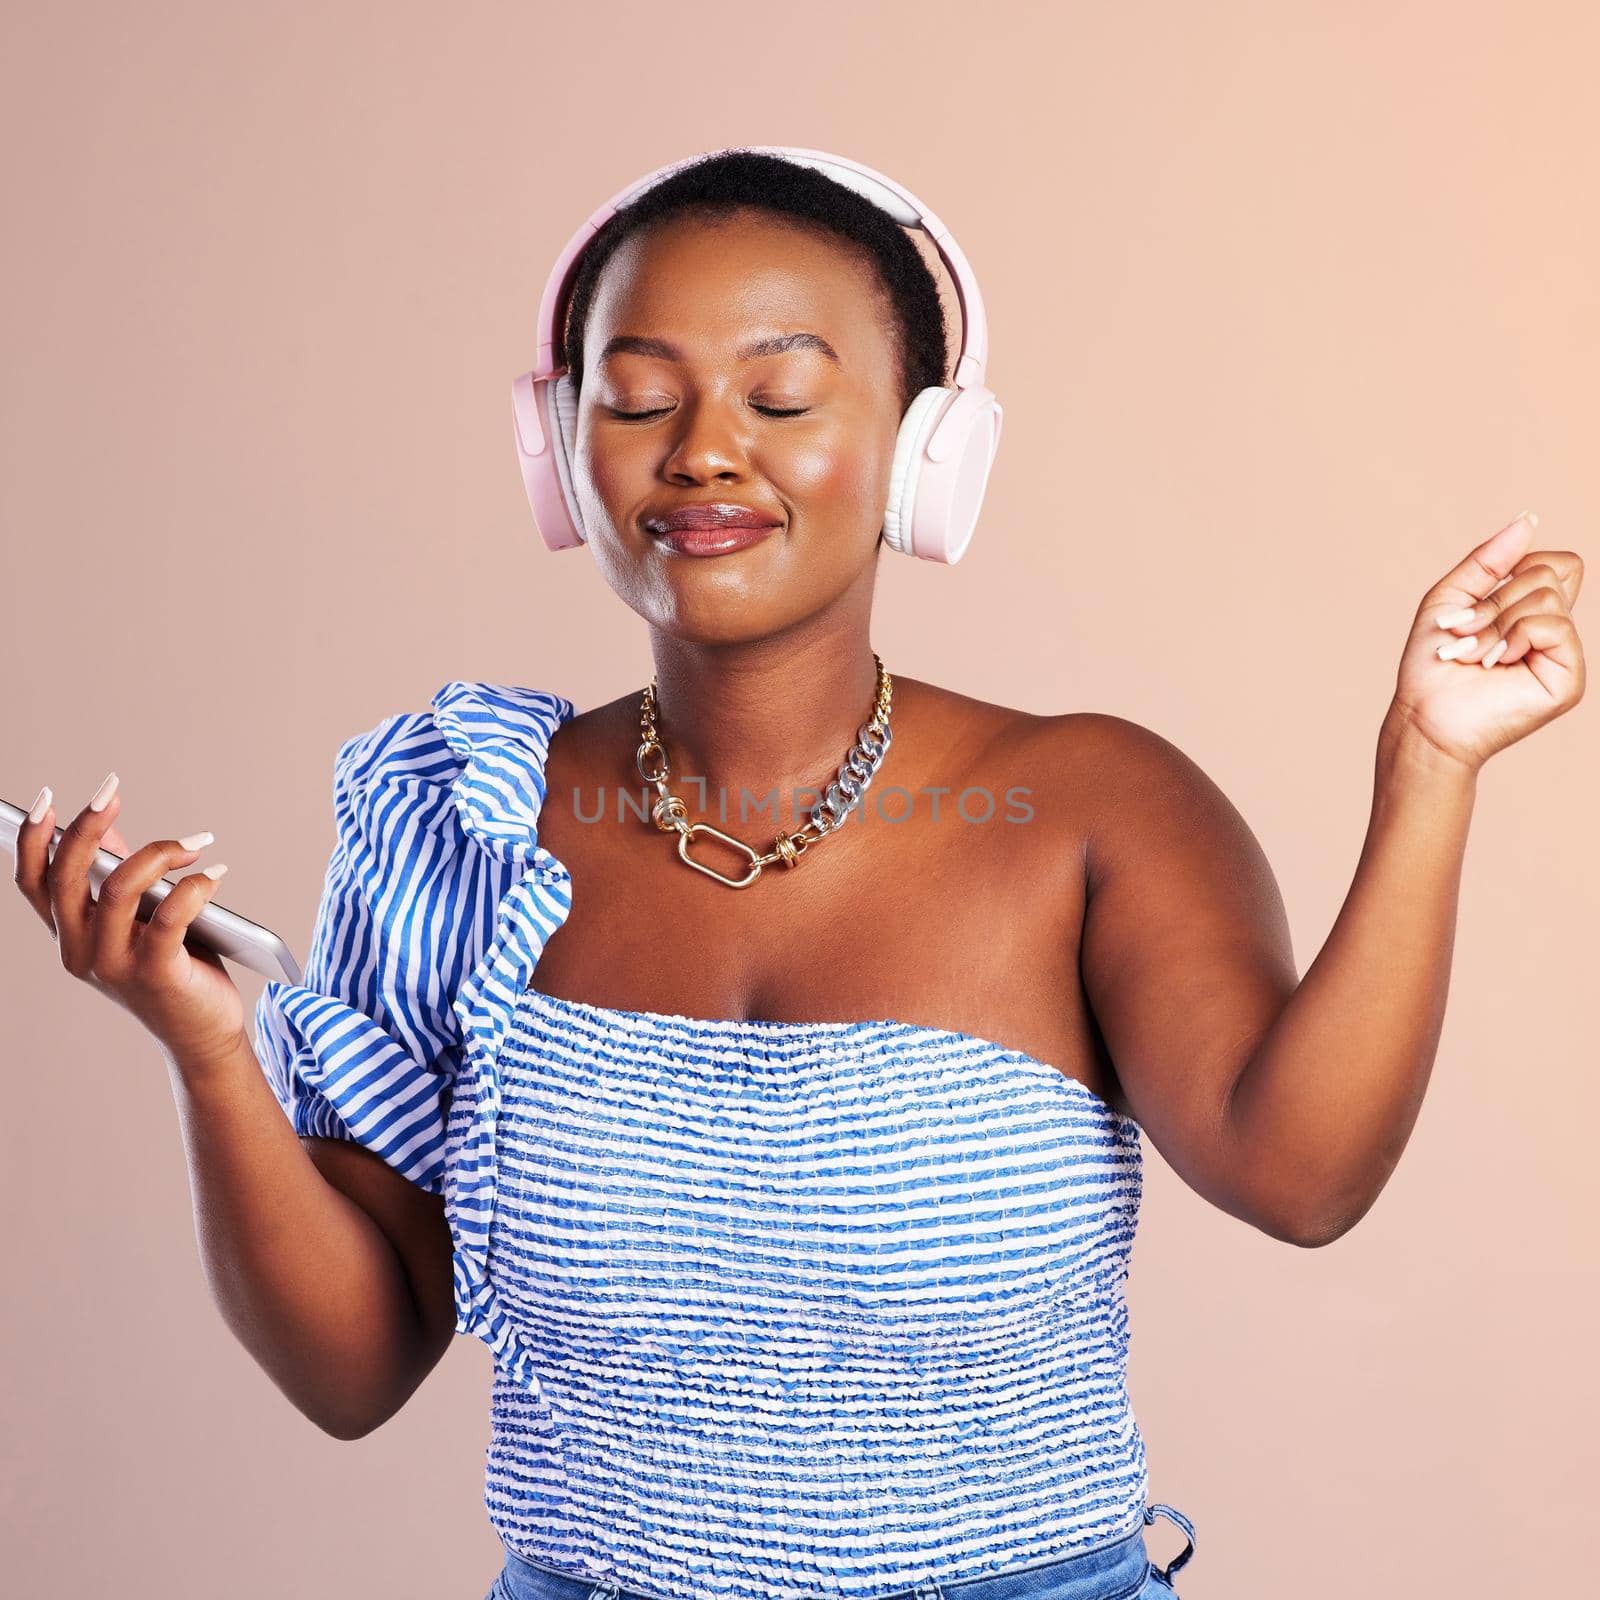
(635, 344)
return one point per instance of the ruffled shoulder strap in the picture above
(362, 1046)
(367, 1044)
(500, 736)
(436, 903)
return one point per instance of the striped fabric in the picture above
(436, 903)
(776, 1308)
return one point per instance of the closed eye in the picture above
(661, 411)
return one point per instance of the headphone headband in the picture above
(894, 198)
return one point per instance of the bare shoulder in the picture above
(1120, 797)
(1098, 760)
(1068, 767)
(1115, 744)
(1123, 771)
(952, 723)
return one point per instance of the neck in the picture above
(739, 721)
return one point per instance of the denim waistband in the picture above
(1115, 1571)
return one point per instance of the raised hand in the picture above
(1493, 651)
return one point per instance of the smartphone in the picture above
(220, 930)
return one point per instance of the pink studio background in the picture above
(1290, 307)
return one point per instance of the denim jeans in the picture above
(1120, 1571)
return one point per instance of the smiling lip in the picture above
(715, 541)
(711, 530)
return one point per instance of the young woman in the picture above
(797, 1219)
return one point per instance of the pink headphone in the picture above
(948, 436)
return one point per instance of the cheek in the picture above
(836, 482)
(617, 476)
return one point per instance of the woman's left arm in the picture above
(1307, 1095)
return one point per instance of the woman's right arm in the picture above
(329, 1266)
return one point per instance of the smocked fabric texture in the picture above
(775, 1308)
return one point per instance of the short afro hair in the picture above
(728, 181)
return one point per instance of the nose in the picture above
(709, 447)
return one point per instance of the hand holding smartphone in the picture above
(152, 944)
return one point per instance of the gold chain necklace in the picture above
(861, 762)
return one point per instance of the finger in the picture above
(1524, 581)
(1544, 601)
(1468, 648)
(1543, 636)
(67, 876)
(1566, 564)
(33, 856)
(169, 922)
(1483, 567)
(1547, 643)
(117, 908)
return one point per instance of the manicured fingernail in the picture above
(1495, 654)
(1454, 619)
(215, 870)
(1530, 517)
(197, 841)
(1457, 647)
(103, 794)
(41, 805)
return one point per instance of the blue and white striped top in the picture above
(776, 1308)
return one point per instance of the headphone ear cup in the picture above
(906, 467)
(935, 494)
(564, 439)
(544, 451)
